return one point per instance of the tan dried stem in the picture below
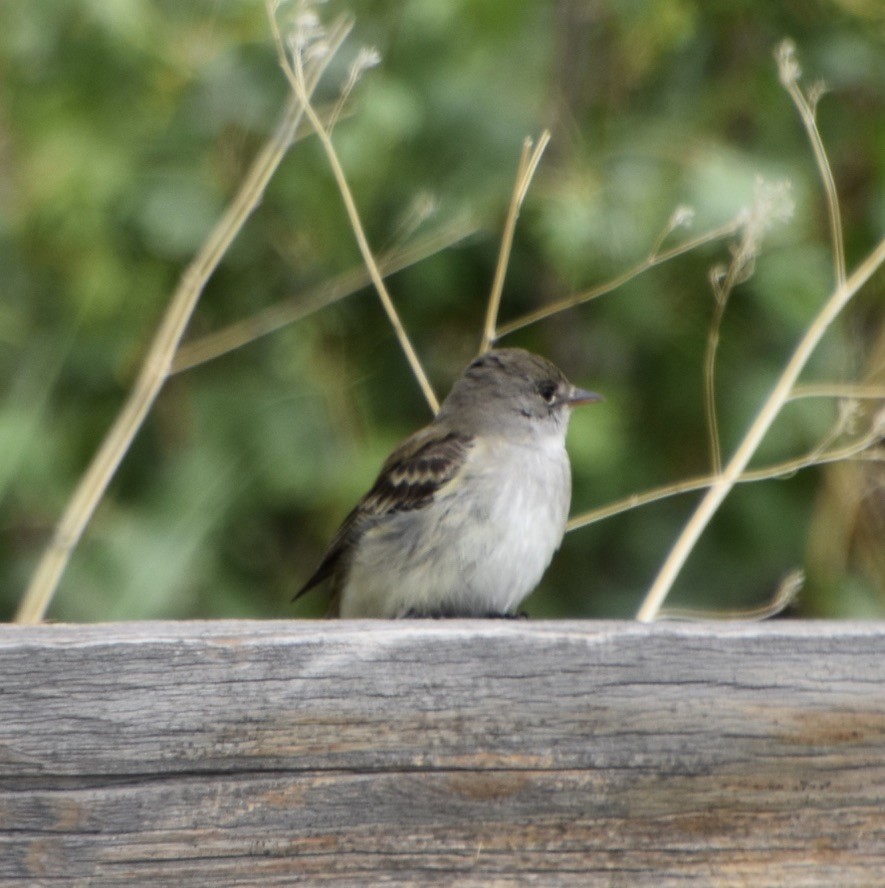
(227, 339)
(730, 475)
(788, 68)
(721, 301)
(818, 456)
(837, 390)
(296, 75)
(528, 163)
(786, 593)
(154, 370)
(653, 259)
(770, 203)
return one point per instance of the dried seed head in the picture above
(787, 65)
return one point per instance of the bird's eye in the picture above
(547, 391)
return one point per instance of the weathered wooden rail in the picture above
(452, 752)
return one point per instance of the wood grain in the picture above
(442, 753)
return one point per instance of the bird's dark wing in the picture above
(414, 473)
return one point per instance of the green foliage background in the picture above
(126, 126)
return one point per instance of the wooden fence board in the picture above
(443, 752)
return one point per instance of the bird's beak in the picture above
(580, 396)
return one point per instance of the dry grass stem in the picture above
(837, 390)
(782, 392)
(154, 370)
(786, 593)
(528, 163)
(818, 456)
(712, 347)
(681, 217)
(788, 68)
(653, 259)
(302, 46)
(227, 339)
(717, 492)
(366, 58)
(771, 203)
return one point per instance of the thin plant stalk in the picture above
(649, 262)
(788, 68)
(837, 390)
(240, 333)
(817, 457)
(785, 594)
(710, 380)
(722, 285)
(295, 74)
(154, 371)
(720, 488)
(528, 163)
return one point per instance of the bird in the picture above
(466, 513)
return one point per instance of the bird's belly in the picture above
(477, 549)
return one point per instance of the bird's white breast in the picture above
(479, 548)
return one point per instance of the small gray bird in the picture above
(466, 514)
